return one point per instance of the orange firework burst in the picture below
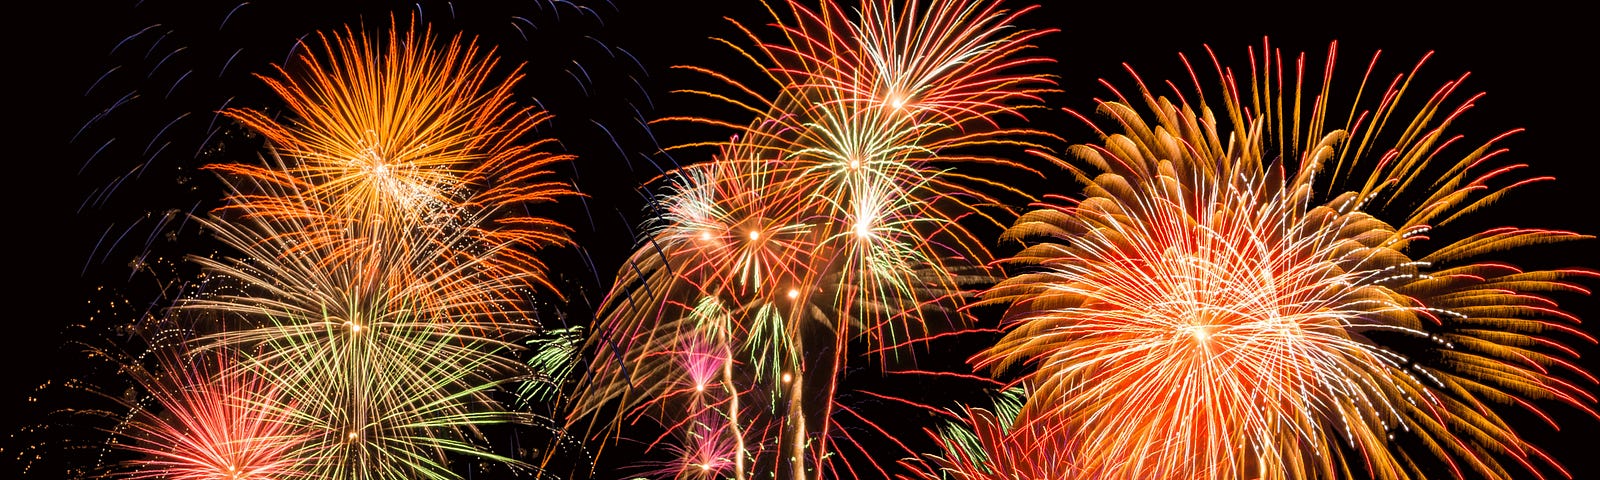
(399, 135)
(1250, 297)
(381, 129)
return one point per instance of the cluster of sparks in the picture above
(1245, 288)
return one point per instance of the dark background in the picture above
(65, 283)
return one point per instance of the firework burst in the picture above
(205, 418)
(386, 129)
(385, 137)
(1257, 295)
(385, 373)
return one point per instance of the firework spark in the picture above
(1251, 297)
(386, 373)
(384, 130)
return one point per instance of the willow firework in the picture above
(833, 227)
(1255, 294)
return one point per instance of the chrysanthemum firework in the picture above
(1255, 294)
(386, 135)
(201, 417)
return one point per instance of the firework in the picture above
(987, 445)
(384, 373)
(205, 418)
(376, 279)
(828, 228)
(386, 129)
(392, 136)
(1256, 295)
(704, 449)
(555, 356)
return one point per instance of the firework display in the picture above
(988, 446)
(389, 354)
(397, 139)
(879, 239)
(829, 228)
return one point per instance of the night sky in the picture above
(599, 72)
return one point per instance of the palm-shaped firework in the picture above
(829, 229)
(1251, 292)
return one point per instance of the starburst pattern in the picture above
(206, 419)
(397, 135)
(1272, 275)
